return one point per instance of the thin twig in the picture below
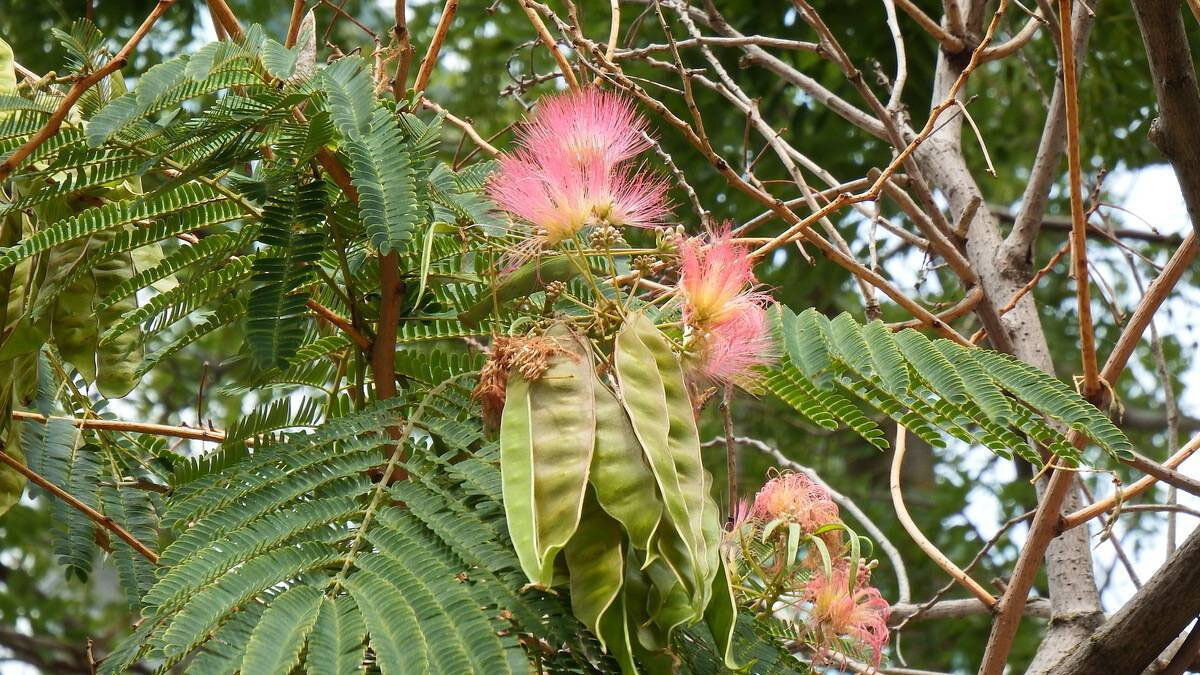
(213, 435)
(918, 537)
(1087, 333)
(78, 88)
(96, 517)
(439, 36)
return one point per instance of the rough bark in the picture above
(1147, 624)
(1176, 130)
(1074, 597)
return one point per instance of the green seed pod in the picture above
(12, 482)
(656, 397)
(72, 322)
(597, 566)
(623, 482)
(547, 436)
(118, 358)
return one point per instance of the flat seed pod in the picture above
(118, 359)
(623, 483)
(597, 566)
(546, 451)
(656, 397)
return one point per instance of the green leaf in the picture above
(337, 643)
(382, 173)
(275, 644)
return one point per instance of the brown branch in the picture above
(1133, 637)
(548, 42)
(225, 17)
(957, 609)
(1087, 332)
(404, 60)
(948, 42)
(1016, 42)
(340, 322)
(294, 23)
(96, 517)
(194, 434)
(1175, 132)
(1141, 485)
(1049, 521)
(77, 90)
(465, 126)
(871, 194)
(439, 36)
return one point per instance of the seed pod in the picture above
(656, 397)
(118, 358)
(547, 436)
(623, 483)
(72, 322)
(597, 566)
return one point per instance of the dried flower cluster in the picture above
(776, 544)
(529, 356)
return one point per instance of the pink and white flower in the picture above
(586, 125)
(796, 498)
(573, 169)
(836, 612)
(726, 318)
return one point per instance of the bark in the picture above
(1147, 624)
(1075, 600)
(1176, 130)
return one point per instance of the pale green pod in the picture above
(8, 72)
(656, 397)
(117, 359)
(516, 471)
(12, 482)
(721, 615)
(546, 452)
(597, 566)
(623, 483)
(72, 322)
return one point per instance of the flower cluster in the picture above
(574, 168)
(774, 542)
(726, 318)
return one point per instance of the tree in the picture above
(299, 225)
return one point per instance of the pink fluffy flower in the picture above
(795, 498)
(726, 316)
(586, 125)
(573, 169)
(837, 612)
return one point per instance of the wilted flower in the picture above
(529, 356)
(795, 498)
(726, 317)
(836, 612)
(572, 169)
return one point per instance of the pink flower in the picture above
(729, 351)
(836, 612)
(572, 169)
(726, 316)
(715, 278)
(795, 498)
(586, 125)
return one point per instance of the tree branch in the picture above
(1175, 132)
(1133, 637)
(77, 90)
(96, 517)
